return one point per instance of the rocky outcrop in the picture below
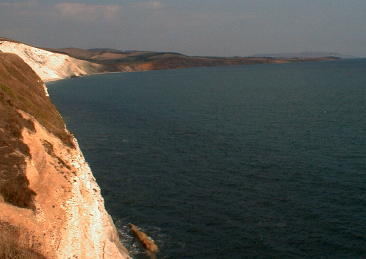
(145, 240)
(50, 203)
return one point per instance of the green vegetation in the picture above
(7, 90)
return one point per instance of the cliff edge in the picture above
(49, 65)
(50, 203)
(55, 64)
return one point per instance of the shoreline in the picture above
(166, 69)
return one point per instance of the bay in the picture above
(262, 161)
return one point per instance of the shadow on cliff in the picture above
(15, 244)
(21, 89)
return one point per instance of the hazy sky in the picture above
(196, 27)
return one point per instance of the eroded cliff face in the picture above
(50, 203)
(48, 65)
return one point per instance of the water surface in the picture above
(262, 161)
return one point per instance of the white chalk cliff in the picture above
(67, 216)
(49, 66)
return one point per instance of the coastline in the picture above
(51, 205)
(65, 211)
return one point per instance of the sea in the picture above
(256, 161)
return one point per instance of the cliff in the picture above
(55, 64)
(49, 65)
(50, 203)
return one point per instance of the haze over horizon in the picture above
(206, 27)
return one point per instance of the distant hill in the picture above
(137, 60)
(305, 54)
(54, 64)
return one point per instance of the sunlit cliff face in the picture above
(50, 203)
(48, 65)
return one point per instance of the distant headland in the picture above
(54, 64)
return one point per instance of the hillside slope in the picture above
(55, 64)
(49, 65)
(125, 61)
(50, 203)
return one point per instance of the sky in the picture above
(193, 27)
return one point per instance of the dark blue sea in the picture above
(261, 161)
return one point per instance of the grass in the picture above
(7, 90)
(17, 245)
(17, 192)
(21, 89)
